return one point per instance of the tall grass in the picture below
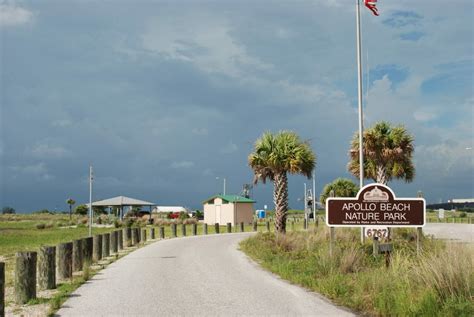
(439, 282)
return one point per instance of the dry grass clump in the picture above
(449, 272)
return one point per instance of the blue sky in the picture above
(162, 97)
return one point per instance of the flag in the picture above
(371, 4)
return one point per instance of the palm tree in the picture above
(70, 202)
(341, 187)
(274, 156)
(388, 153)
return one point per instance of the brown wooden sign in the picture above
(375, 205)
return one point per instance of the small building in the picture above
(172, 210)
(223, 209)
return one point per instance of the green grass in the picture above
(438, 283)
(19, 233)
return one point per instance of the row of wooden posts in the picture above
(51, 263)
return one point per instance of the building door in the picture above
(218, 214)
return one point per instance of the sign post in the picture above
(376, 205)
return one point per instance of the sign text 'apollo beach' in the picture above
(374, 205)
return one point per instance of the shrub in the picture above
(463, 214)
(81, 210)
(117, 223)
(49, 224)
(8, 210)
(43, 211)
(40, 226)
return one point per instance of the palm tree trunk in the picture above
(381, 175)
(280, 198)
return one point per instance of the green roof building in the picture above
(223, 209)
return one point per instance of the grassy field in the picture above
(437, 283)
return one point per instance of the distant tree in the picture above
(82, 210)
(8, 210)
(342, 187)
(43, 211)
(388, 153)
(70, 202)
(276, 155)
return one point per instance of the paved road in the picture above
(198, 276)
(459, 232)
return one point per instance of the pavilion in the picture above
(122, 201)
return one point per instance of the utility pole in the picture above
(91, 212)
(314, 197)
(359, 95)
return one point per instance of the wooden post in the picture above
(2, 289)
(254, 226)
(143, 235)
(105, 245)
(216, 227)
(64, 263)
(114, 242)
(127, 236)
(419, 236)
(139, 234)
(162, 232)
(195, 229)
(173, 230)
(135, 238)
(97, 248)
(120, 239)
(229, 227)
(331, 240)
(305, 224)
(205, 228)
(152, 233)
(268, 226)
(375, 246)
(242, 228)
(87, 251)
(293, 225)
(47, 268)
(77, 255)
(25, 277)
(183, 230)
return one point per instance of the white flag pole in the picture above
(90, 201)
(359, 95)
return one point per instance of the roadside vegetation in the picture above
(439, 282)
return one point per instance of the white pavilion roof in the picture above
(122, 201)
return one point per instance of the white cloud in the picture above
(38, 171)
(200, 131)
(229, 148)
(46, 150)
(202, 40)
(11, 15)
(182, 164)
(424, 115)
(62, 123)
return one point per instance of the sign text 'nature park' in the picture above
(375, 205)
